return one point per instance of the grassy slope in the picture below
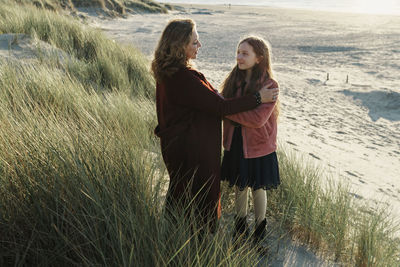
(81, 173)
(112, 7)
(96, 60)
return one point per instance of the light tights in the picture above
(259, 201)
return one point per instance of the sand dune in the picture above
(380, 104)
(349, 124)
(23, 48)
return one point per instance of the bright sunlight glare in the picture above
(375, 6)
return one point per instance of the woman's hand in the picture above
(269, 95)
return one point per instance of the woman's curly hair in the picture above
(170, 54)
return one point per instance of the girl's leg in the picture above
(260, 205)
(241, 202)
(241, 231)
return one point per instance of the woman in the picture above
(189, 113)
(250, 137)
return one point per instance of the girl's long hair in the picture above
(170, 54)
(261, 72)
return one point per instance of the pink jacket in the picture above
(259, 128)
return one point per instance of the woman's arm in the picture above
(254, 118)
(257, 117)
(186, 88)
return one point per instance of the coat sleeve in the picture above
(257, 117)
(188, 89)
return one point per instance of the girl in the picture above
(249, 138)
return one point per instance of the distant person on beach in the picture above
(249, 137)
(189, 113)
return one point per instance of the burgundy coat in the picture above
(189, 112)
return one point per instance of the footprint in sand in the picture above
(291, 143)
(144, 30)
(352, 174)
(336, 138)
(314, 156)
(314, 81)
(357, 196)
(385, 192)
(377, 144)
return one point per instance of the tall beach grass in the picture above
(110, 7)
(97, 60)
(82, 181)
(321, 212)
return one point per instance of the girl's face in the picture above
(245, 57)
(192, 48)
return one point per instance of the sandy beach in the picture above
(338, 74)
(348, 125)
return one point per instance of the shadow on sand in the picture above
(381, 104)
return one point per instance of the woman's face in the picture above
(245, 57)
(193, 47)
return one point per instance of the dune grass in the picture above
(82, 181)
(96, 60)
(111, 7)
(321, 212)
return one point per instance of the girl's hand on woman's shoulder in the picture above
(269, 95)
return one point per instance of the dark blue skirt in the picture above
(262, 172)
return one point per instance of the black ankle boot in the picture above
(241, 229)
(260, 232)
